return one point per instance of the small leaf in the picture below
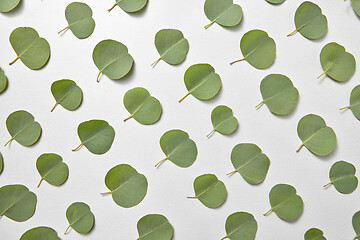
(240, 226)
(284, 201)
(223, 120)
(354, 102)
(40, 233)
(224, 13)
(336, 62)
(314, 234)
(342, 176)
(356, 6)
(17, 202)
(129, 6)
(171, 45)
(1, 163)
(275, 1)
(8, 5)
(127, 187)
(30, 48)
(154, 227)
(96, 135)
(258, 49)
(80, 217)
(3, 81)
(23, 128)
(178, 148)
(112, 59)
(67, 94)
(202, 82)
(250, 162)
(52, 169)
(356, 224)
(315, 135)
(209, 190)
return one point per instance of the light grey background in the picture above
(138, 145)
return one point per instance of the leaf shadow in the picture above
(16, 11)
(139, 13)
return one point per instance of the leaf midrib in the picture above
(121, 185)
(172, 46)
(258, 46)
(207, 189)
(238, 228)
(67, 93)
(102, 129)
(158, 227)
(18, 200)
(141, 105)
(168, 156)
(286, 89)
(282, 202)
(342, 177)
(223, 121)
(203, 80)
(248, 161)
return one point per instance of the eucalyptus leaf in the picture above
(143, 107)
(171, 45)
(356, 6)
(223, 120)
(178, 148)
(67, 94)
(202, 82)
(3, 81)
(23, 128)
(1, 163)
(275, 1)
(315, 135)
(336, 62)
(17, 202)
(240, 226)
(40, 233)
(258, 49)
(96, 135)
(314, 234)
(342, 176)
(224, 13)
(154, 227)
(8, 5)
(129, 6)
(52, 169)
(30, 48)
(284, 201)
(356, 224)
(250, 162)
(210, 190)
(354, 102)
(80, 218)
(127, 187)
(112, 59)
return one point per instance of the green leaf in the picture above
(250, 162)
(275, 1)
(1, 163)
(40, 233)
(8, 5)
(23, 128)
(143, 107)
(223, 120)
(3, 81)
(224, 13)
(258, 49)
(202, 82)
(284, 201)
(178, 148)
(315, 135)
(342, 176)
(209, 190)
(356, 224)
(336, 62)
(129, 6)
(154, 227)
(356, 6)
(240, 226)
(112, 59)
(127, 187)
(80, 217)
(17, 202)
(309, 21)
(30, 48)
(79, 18)
(67, 94)
(354, 102)
(52, 169)
(314, 234)
(171, 45)
(279, 94)
(96, 135)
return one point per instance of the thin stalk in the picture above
(128, 118)
(321, 75)
(292, 32)
(268, 212)
(184, 97)
(208, 25)
(63, 30)
(14, 60)
(239, 60)
(299, 147)
(344, 108)
(192, 197)
(98, 77)
(224, 238)
(8, 142)
(356, 236)
(105, 193)
(40, 182)
(67, 230)
(259, 104)
(231, 172)
(161, 162)
(154, 63)
(326, 185)
(54, 107)
(211, 132)
(77, 147)
(112, 7)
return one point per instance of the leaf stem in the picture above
(192, 197)
(321, 75)
(8, 142)
(239, 60)
(112, 7)
(105, 193)
(224, 238)
(299, 147)
(63, 29)
(54, 107)
(231, 172)
(326, 185)
(184, 97)
(344, 108)
(208, 25)
(77, 147)
(128, 118)
(154, 63)
(98, 77)
(40, 182)
(67, 229)
(211, 132)
(293, 32)
(14, 60)
(259, 104)
(156, 165)
(268, 212)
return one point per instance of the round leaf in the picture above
(240, 226)
(342, 176)
(314, 234)
(3, 81)
(112, 59)
(356, 6)
(30, 48)
(23, 128)
(8, 5)
(154, 227)
(356, 224)
(40, 233)
(127, 187)
(52, 169)
(224, 13)
(275, 1)
(315, 135)
(1, 163)
(67, 94)
(354, 102)
(80, 217)
(96, 135)
(130, 6)
(223, 120)
(17, 202)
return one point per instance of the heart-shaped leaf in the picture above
(178, 148)
(112, 59)
(127, 187)
(356, 224)
(209, 190)
(143, 107)
(224, 13)
(3, 81)
(80, 218)
(171, 45)
(154, 227)
(96, 135)
(315, 135)
(354, 102)
(275, 1)
(342, 176)
(202, 82)
(17, 202)
(1, 163)
(23, 128)
(30, 48)
(79, 18)
(314, 234)
(356, 6)
(67, 94)
(250, 162)
(258, 49)
(240, 226)
(52, 169)
(8, 5)
(309, 21)
(284, 201)
(336, 62)
(129, 6)
(40, 233)
(279, 94)
(223, 120)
